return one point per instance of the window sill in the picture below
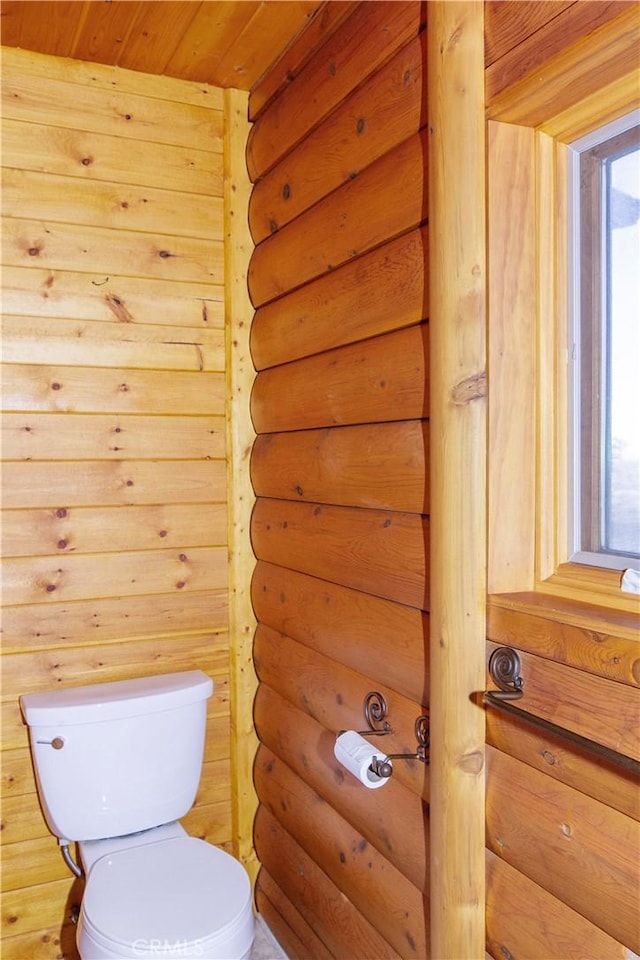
(594, 586)
(584, 635)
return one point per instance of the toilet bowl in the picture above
(175, 896)
(117, 765)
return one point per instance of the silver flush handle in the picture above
(57, 743)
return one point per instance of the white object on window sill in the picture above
(630, 582)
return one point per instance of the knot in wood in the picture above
(471, 388)
(472, 762)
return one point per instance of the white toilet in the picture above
(117, 764)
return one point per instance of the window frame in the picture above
(586, 367)
(528, 455)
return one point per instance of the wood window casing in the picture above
(588, 470)
(529, 547)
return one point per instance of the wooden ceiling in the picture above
(227, 44)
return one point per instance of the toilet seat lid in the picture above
(170, 892)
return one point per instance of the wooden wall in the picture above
(114, 500)
(563, 834)
(340, 467)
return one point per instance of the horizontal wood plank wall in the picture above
(340, 467)
(114, 480)
(563, 832)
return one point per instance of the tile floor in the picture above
(265, 945)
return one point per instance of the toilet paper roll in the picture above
(355, 754)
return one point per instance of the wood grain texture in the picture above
(375, 551)
(88, 622)
(575, 847)
(288, 926)
(332, 916)
(229, 44)
(343, 708)
(593, 707)
(120, 483)
(69, 294)
(326, 19)
(378, 465)
(562, 760)
(99, 76)
(48, 905)
(98, 530)
(114, 475)
(367, 39)
(576, 634)
(339, 464)
(382, 379)
(120, 114)
(510, 350)
(343, 306)
(59, 198)
(59, 247)
(70, 342)
(457, 267)
(346, 625)
(608, 52)
(91, 155)
(393, 819)
(371, 122)
(378, 890)
(525, 36)
(546, 927)
(239, 435)
(334, 232)
(508, 25)
(53, 389)
(40, 436)
(33, 580)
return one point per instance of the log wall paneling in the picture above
(340, 467)
(564, 933)
(342, 307)
(339, 924)
(373, 120)
(340, 622)
(580, 668)
(393, 821)
(295, 254)
(575, 847)
(363, 43)
(330, 15)
(391, 904)
(324, 465)
(115, 527)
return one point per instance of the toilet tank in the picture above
(116, 758)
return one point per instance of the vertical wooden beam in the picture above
(455, 59)
(240, 436)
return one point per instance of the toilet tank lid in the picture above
(110, 701)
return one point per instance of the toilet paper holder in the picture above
(375, 713)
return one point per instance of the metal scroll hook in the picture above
(504, 668)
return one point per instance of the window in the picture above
(605, 346)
